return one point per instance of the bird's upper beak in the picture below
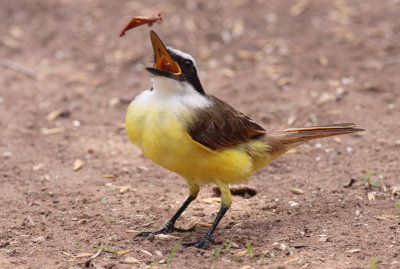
(164, 65)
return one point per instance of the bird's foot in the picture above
(202, 243)
(168, 228)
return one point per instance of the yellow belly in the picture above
(162, 137)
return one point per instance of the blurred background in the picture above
(67, 167)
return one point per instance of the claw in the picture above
(202, 243)
(168, 228)
(145, 234)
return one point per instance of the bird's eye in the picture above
(188, 63)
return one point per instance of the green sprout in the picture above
(249, 249)
(217, 252)
(367, 178)
(173, 252)
(115, 251)
(107, 218)
(228, 246)
(373, 263)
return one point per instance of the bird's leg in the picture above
(226, 201)
(202, 243)
(170, 226)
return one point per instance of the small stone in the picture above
(38, 239)
(113, 101)
(124, 190)
(323, 61)
(396, 190)
(7, 155)
(148, 253)
(241, 253)
(38, 167)
(84, 255)
(372, 196)
(354, 250)
(297, 191)
(78, 164)
(165, 237)
(212, 200)
(51, 131)
(16, 32)
(54, 114)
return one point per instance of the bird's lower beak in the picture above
(162, 60)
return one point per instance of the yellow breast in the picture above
(160, 132)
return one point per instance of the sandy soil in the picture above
(281, 63)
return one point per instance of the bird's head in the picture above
(173, 64)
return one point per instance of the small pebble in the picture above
(38, 239)
(7, 155)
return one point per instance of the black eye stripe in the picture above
(189, 71)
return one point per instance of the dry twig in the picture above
(19, 68)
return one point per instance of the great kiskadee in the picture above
(203, 139)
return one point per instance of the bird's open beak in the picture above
(162, 60)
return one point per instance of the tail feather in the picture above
(297, 136)
(323, 127)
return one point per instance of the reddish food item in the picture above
(137, 21)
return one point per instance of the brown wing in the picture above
(221, 125)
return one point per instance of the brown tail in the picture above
(296, 136)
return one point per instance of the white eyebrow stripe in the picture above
(183, 55)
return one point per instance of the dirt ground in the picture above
(66, 78)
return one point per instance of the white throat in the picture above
(179, 92)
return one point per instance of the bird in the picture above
(178, 126)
